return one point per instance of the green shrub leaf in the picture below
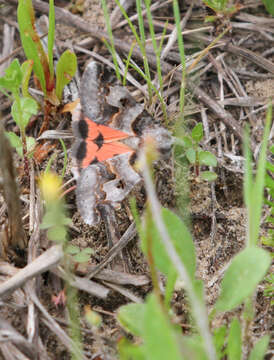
(260, 348)
(208, 175)
(15, 142)
(13, 77)
(197, 133)
(234, 343)
(219, 339)
(26, 68)
(207, 158)
(191, 155)
(57, 233)
(65, 70)
(28, 107)
(81, 257)
(160, 337)
(72, 249)
(246, 270)
(31, 41)
(181, 239)
(131, 318)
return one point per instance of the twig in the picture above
(115, 277)
(41, 264)
(84, 284)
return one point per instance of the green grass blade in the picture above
(180, 41)
(157, 55)
(258, 188)
(51, 35)
(109, 30)
(143, 46)
(127, 63)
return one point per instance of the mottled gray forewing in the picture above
(92, 95)
(88, 193)
(126, 179)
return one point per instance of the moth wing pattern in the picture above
(109, 126)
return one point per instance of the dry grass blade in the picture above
(17, 237)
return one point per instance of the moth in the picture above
(109, 127)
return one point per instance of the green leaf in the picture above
(131, 318)
(234, 342)
(21, 116)
(187, 141)
(269, 5)
(88, 251)
(207, 158)
(270, 167)
(26, 68)
(31, 41)
(15, 142)
(72, 249)
(181, 239)
(57, 233)
(260, 348)
(65, 70)
(246, 270)
(193, 346)
(160, 337)
(197, 133)
(81, 257)
(191, 155)
(129, 351)
(219, 340)
(208, 175)
(13, 77)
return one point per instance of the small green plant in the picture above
(79, 256)
(14, 84)
(221, 8)
(195, 155)
(52, 85)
